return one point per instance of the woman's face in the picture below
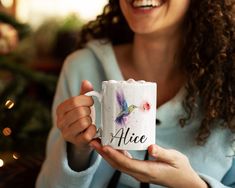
(150, 16)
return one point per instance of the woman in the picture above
(187, 47)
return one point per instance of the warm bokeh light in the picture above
(35, 11)
(6, 131)
(7, 3)
(1, 163)
(16, 156)
(9, 104)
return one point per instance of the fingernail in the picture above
(126, 153)
(154, 150)
(106, 149)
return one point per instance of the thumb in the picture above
(86, 86)
(162, 154)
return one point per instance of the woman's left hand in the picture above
(169, 168)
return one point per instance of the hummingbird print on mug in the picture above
(125, 109)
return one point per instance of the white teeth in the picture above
(146, 3)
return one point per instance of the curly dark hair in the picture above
(208, 58)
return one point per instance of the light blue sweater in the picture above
(96, 63)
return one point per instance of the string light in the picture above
(16, 156)
(7, 131)
(1, 163)
(9, 104)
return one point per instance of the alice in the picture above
(125, 137)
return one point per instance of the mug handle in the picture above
(93, 116)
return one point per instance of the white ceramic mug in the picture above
(128, 113)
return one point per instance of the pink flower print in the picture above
(146, 106)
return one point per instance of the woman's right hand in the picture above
(74, 120)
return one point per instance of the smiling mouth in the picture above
(146, 4)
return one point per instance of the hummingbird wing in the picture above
(120, 120)
(121, 101)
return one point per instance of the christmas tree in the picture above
(25, 105)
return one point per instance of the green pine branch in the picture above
(49, 81)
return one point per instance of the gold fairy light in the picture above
(6, 131)
(115, 20)
(1, 163)
(9, 104)
(16, 155)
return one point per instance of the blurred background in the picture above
(35, 38)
